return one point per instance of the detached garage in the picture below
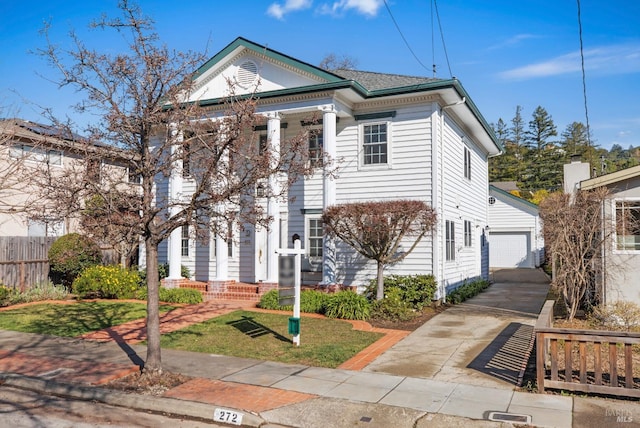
(515, 239)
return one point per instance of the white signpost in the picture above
(285, 277)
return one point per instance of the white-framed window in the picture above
(263, 140)
(36, 154)
(230, 239)
(450, 240)
(467, 234)
(627, 218)
(184, 243)
(314, 237)
(375, 143)
(45, 227)
(467, 163)
(315, 147)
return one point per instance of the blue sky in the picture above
(505, 53)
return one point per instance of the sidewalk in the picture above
(279, 394)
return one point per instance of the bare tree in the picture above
(140, 95)
(332, 62)
(377, 230)
(575, 238)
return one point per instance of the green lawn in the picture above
(324, 342)
(72, 319)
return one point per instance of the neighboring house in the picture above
(515, 235)
(621, 261)
(393, 137)
(26, 147)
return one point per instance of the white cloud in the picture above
(365, 7)
(278, 10)
(612, 59)
(513, 41)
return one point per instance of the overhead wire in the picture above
(402, 35)
(584, 79)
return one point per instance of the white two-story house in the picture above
(391, 136)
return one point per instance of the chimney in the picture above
(574, 173)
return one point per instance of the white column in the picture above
(273, 204)
(175, 194)
(329, 193)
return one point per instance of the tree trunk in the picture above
(154, 361)
(380, 290)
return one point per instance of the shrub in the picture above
(311, 301)
(187, 296)
(269, 300)
(392, 307)
(417, 291)
(163, 272)
(467, 291)
(347, 305)
(617, 316)
(5, 292)
(108, 282)
(70, 255)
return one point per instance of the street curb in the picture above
(150, 403)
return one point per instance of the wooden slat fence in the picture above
(23, 260)
(590, 361)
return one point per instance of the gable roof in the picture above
(361, 85)
(612, 178)
(58, 138)
(512, 197)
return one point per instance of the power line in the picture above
(444, 46)
(584, 79)
(402, 35)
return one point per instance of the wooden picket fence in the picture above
(23, 260)
(604, 360)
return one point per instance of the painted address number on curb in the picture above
(227, 416)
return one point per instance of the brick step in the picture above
(229, 295)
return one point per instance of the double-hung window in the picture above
(184, 245)
(450, 240)
(375, 144)
(628, 225)
(315, 147)
(315, 237)
(467, 233)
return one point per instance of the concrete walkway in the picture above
(463, 388)
(484, 341)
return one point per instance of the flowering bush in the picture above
(110, 282)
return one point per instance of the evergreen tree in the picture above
(544, 159)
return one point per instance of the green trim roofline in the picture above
(270, 53)
(514, 197)
(335, 82)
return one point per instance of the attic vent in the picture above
(247, 73)
(492, 200)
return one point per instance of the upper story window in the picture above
(36, 154)
(375, 144)
(628, 225)
(467, 163)
(315, 147)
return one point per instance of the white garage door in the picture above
(510, 249)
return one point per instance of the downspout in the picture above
(435, 143)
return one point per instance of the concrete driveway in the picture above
(484, 341)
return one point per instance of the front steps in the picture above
(228, 290)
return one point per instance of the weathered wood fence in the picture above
(603, 359)
(23, 260)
